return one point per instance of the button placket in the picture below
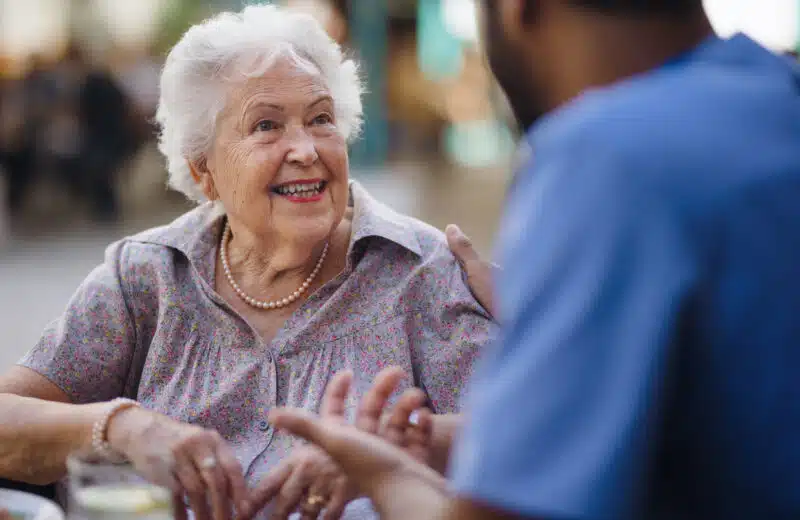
(269, 398)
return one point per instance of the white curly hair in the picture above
(231, 47)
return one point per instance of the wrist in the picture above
(88, 415)
(444, 430)
(411, 493)
(115, 431)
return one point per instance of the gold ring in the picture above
(315, 501)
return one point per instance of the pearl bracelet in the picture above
(100, 443)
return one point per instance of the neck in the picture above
(267, 265)
(605, 50)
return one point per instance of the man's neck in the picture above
(612, 49)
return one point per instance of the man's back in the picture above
(653, 292)
(730, 446)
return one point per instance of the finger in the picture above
(318, 489)
(327, 474)
(334, 509)
(370, 409)
(363, 457)
(292, 492)
(327, 435)
(479, 273)
(461, 246)
(235, 476)
(303, 424)
(395, 427)
(179, 507)
(335, 398)
(419, 436)
(214, 479)
(268, 489)
(190, 480)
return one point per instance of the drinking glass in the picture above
(101, 490)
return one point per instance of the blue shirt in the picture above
(650, 364)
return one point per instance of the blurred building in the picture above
(430, 95)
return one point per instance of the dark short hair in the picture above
(640, 7)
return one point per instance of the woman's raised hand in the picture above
(385, 468)
(408, 425)
(308, 481)
(189, 460)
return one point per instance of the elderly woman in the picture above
(172, 352)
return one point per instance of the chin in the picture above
(308, 228)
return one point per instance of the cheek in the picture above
(333, 153)
(334, 157)
(248, 171)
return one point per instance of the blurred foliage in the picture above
(182, 14)
(179, 16)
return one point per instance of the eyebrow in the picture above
(281, 108)
(320, 100)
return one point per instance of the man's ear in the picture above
(530, 11)
(202, 176)
(518, 14)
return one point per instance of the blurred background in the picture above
(79, 88)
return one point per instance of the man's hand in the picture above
(479, 271)
(399, 486)
(389, 467)
(382, 454)
(306, 473)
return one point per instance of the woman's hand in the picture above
(308, 481)
(184, 458)
(408, 425)
(382, 451)
(399, 486)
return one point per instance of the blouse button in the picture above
(263, 426)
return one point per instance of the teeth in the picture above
(300, 189)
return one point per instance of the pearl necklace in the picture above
(278, 304)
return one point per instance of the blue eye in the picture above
(323, 119)
(266, 126)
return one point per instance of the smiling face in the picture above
(278, 163)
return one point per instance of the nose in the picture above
(302, 150)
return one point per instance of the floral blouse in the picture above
(148, 324)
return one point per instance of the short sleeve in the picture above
(449, 334)
(87, 352)
(596, 269)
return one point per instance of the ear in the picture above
(517, 15)
(203, 177)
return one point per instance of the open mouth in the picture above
(301, 190)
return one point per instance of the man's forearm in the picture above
(418, 493)
(421, 494)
